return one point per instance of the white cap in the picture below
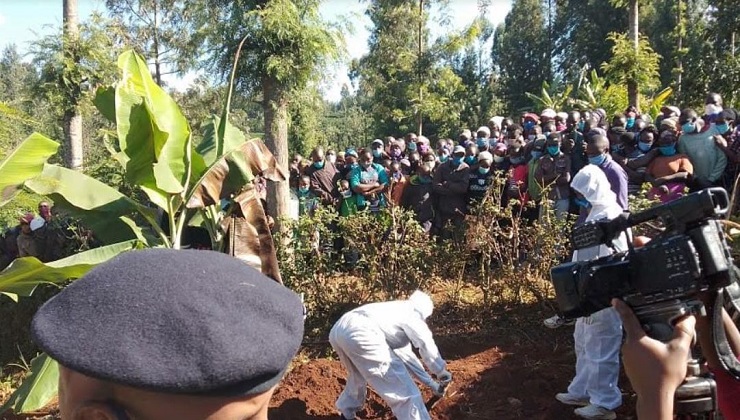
(422, 303)
(37, 223)
(485, 156)
(548, 112)
(485, 130)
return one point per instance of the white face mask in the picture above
(498, 159)
(332, 158)
(712, 109)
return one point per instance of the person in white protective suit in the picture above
(374, 345)
(597, 337)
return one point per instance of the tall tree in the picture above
(286, 45)
(157, 30)
(72, 117)
(520, 53)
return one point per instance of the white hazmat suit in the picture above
(374, 345)
(597, 337)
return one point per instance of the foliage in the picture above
(629, 66)
(551, 96)
(38, 389)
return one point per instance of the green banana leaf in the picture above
(23, 275)
(38, 389)
(152, 132)
(25, 162)
(103, 209)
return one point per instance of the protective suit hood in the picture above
(422, 303)
(592, 183)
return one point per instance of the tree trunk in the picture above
(72, 116)
(157, 64)
(419, 116)
(632, 88)
(275, 106)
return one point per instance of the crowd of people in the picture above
(35, 235)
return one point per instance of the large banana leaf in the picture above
(227, 176)
(219, 137)
(38, 389)
(23, 275)
(24, 163)
(103, 208)
(152, 132)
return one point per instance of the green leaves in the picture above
(38, 389)
(628, 65)
(152, 132)
(23, 275)
(26, 162)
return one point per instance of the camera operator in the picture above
(598, 336)
(656, 369)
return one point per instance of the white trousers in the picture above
(597, 342)
(363, 351)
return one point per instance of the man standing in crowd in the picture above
(707, 160)
(368, 181)
(374, 345)
(597, 151)
(554, 173)
(418, 196)
(323, 179)
(451, 187)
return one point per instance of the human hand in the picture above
(445, 377)
(655, 369)
(720, 141)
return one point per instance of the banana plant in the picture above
(551, 96)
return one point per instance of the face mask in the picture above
(722, 128)
(303, 190)
(617, 147)
(498, 159)
(531, 137)
(560, 127)
(597, 160)
(630, 122)
(581, 125)
(712, 109)
(396, 153)
(470, 160)
(581, 202)
(644, 147)
(443, 158)
(528, 125)
(481, 142)
(347, 193)
(536, 154)
(483, 171)
(553, 150)
(516, 160)
(376, 153)
(456, 161)
(318, 165)
(688, 128)
(366, 165)
(669, 150)
(332, 159)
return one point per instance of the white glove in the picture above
(445, 377)
(438, 389)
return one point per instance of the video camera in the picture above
(660, 280)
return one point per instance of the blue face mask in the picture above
(318, 165)
(516, 160)
(470, 160)
(376, 153)
(303, 190)
(528, 125)
(617, 147)
(481, 142)
(630, 122)
(483, 171)
(456, 161)
(688, 128)
(644, 147)
(553, 150)
(597, 160)
(722, 128)
(443, 158)
(581, 202)
(536, 154)
(669, 150)
(581, 125)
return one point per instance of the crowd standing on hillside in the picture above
(36, 235)
(584, 163)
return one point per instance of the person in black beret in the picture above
(170, 334)
(374, 345)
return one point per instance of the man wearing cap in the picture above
(374, 343)
(379, 154)
(450, 188)
(547, 115)
(481, 178)
(553, 172)
(210, 339)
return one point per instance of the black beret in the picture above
(174, 321)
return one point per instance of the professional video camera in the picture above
(660, 280)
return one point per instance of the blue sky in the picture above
(22, 21)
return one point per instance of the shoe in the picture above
(556, 321)
(594, 412)
(569, 399)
